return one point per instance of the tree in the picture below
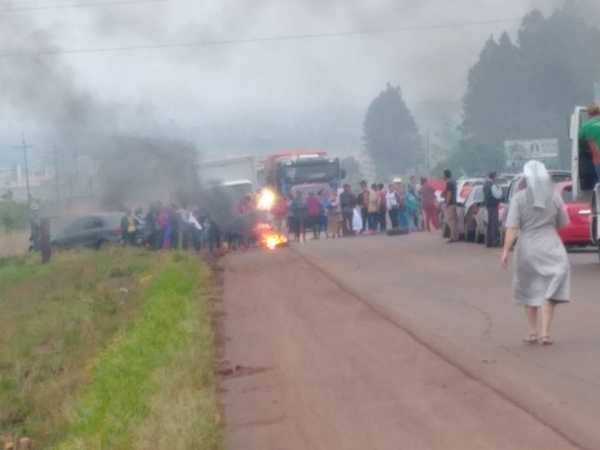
(391, 136)
(493, 101)
(527, 89)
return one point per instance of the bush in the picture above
(13, 216)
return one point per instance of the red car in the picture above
(580, 214)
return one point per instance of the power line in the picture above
(77, 5)
(277, 38)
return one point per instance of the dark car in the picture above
(92, 230)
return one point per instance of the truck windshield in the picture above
(311, 173)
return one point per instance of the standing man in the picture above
(373, 208)
(45, 246)
(414, 187)
(313, 210)
(492, 195)
(392, 205)
(363, 202)
(128, 228)
(589, 137)
(280, 213)
(429, 206)
(298, 215)
(347, 203)
(382, 207)
(451, 214)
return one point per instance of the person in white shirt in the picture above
(392, 205)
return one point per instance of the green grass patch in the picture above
(105, 347)
(13, 215)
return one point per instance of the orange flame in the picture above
(268, 237)
(266, 200)
(273, 240)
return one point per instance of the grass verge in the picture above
(118, 355)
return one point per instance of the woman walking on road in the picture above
(542, 271)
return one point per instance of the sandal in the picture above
(546, 340)
(532, 339)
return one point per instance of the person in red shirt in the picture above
(280, 212)
(429, 205)
(313, 208)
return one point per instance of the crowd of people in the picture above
(492, 197)
(397, 208)
(168, 226)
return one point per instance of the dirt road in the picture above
(321, 368)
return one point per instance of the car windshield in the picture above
(559, 177)
(476, 196)
(311, 172)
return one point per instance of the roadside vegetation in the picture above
(13, 215)
(108, 350)
(13, 228)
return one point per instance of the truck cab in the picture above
(302, 171)
(586, 185)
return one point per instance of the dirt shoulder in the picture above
(311, 367)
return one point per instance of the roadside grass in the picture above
(13, 243)
(108, 350)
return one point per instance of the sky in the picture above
(202, 93)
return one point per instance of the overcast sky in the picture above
(186, 87)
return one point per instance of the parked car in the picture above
(577, 233)
(92, 230)
(503, 180)
(475, 217)
(558, 176)
(464, 186)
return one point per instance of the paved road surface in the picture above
(402, 343)
(457, 300)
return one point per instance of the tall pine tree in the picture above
(528, 89)
(391, 136)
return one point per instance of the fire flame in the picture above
(273, 240)
(268, 237)
(266, 200)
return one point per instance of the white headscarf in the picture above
(539, 184)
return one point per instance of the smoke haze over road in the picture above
(202, 92)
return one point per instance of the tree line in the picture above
(523, 88)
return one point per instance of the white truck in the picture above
(236, 175)
(586, 184)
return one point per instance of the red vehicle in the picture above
(580, 214)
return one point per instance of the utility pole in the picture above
(24, 147)
(56, 179)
